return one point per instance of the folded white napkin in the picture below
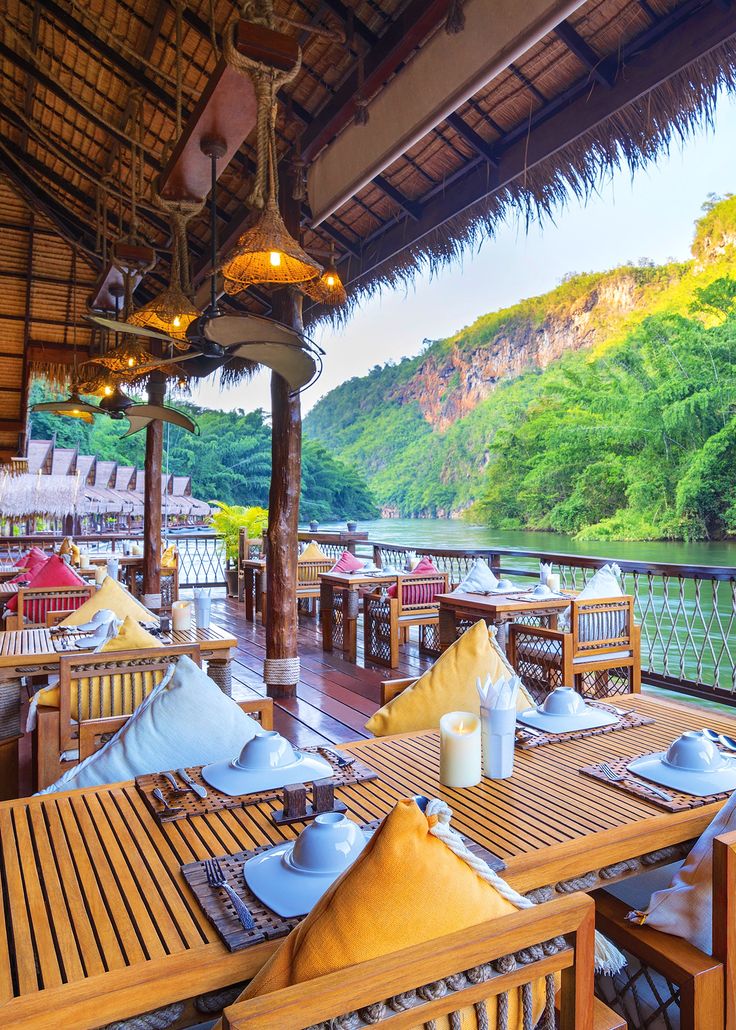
(499, 695)
(544, 571)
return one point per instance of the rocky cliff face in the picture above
(448, 386)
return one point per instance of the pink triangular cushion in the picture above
(53, 573)
(425, 567)
(347, 562)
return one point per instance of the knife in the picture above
(198, 789)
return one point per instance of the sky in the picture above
(648, 215)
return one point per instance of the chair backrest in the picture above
(111, 684)
(483, 952)
(35, 604)
(308, 572)
(602, 624)
(417, 593)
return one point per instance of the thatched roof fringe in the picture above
(633, 136)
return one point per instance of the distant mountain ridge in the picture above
(424, 429)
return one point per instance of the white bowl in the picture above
(267, 750)
(692, 764)
(694, 752)
(291, 878)
(267, 761)
(563, 701)
(542, 590)
(564, 710)
(504, 584)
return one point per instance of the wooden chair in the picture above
(376, 983)
(669, 968)
(387, 620)
(600, 656)
(307, 584)
(97, 694)
(133, 579)
(35, 604)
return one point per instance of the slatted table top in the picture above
(493, 604)
(9, 571)
(7, 589)
(98, 923)
(19, 648)
(357, 579)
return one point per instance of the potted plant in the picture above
(227, 522)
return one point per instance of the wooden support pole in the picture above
(152, 507)
(281, 668)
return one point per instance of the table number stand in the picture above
(296, 807)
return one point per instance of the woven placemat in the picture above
(680, 802)
(191, 805)
(527, 737)
(220, 910)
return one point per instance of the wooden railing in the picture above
(687, 612)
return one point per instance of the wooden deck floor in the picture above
(334, 697)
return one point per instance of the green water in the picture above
(455, 533)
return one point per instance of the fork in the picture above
(615, 777)
(216, 878)
(168, 809)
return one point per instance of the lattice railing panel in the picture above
(642, 996)
(378, 630)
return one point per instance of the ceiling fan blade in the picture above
(295, 364)
(136, 424)
(160, 411)
(139, 370)
(229, 330)
(67, 406)
(128, 327)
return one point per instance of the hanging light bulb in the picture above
(107, 390)
(274, 258)
(266, 253)
(170, 312)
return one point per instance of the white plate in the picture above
(588, 719)
(233, 781)
(699, 784)
(288, 891)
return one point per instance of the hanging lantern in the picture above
(268, 255)
(328, 289)
(171, 312)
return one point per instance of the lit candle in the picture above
(460, 763)
(553, 582)
(83, 560)
(100, 573)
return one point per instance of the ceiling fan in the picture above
(216, 338)
(116, 404)
(119, 406)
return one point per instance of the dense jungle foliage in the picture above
(633, 437)
(229, 461)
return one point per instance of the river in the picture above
(456, 533)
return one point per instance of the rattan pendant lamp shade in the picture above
(328, 289)
(266, 253)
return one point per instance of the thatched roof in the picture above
(615, 83)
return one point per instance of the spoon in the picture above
(728, 742)
(711, 735)
(168, 809)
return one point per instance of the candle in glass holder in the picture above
(100, 573)
(181, 616)
(83, 560)
(460, 761)
(553, 582)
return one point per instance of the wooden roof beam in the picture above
(474, 140)
(650, 59)
(603, 71)
(441, 76)
(346, 15)
(410, 207)
(399, 40)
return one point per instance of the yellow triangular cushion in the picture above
(449, 686)
(114, 596)
(168, 558)
(405, 888)
(66, 546)
(75, 554)
(312, 552)
(131, 637)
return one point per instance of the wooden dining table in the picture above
(458, 610)
(99, 923)
(339, 606)
(36, 652)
